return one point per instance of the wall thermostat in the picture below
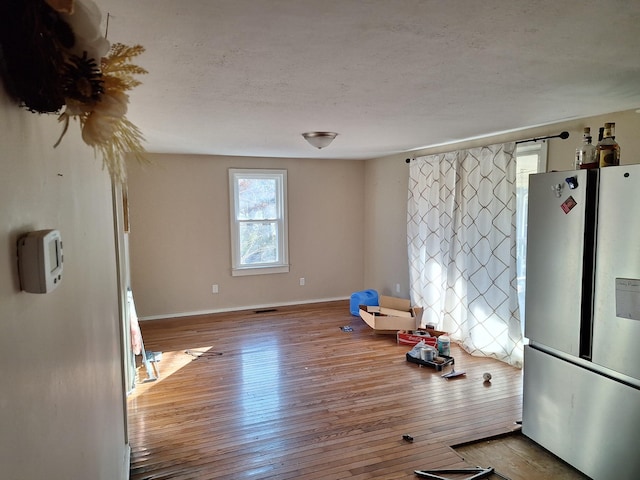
(40, 261)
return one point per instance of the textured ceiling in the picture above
(247, 77)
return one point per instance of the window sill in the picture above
(241, 272)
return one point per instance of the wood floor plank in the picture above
(523, 459)
(288, 394)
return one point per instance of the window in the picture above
(530, 158)
(258, 221)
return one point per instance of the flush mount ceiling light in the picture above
(319, 139)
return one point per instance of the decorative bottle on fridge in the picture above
(608, 149)
(586, 154)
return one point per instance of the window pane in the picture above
(528, 161)
(258, 243)
(257, 199)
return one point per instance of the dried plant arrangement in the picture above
(54, 60)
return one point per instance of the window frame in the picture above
(541, 151)
(281, 222)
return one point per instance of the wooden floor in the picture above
(288, 395)
(519, 458)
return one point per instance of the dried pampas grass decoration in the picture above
(104, 125)
(53, 58)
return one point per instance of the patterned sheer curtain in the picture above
(462, 248)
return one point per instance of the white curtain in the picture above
(462, 248)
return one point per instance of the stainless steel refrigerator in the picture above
(581, 397)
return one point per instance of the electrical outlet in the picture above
(397, 288)
(214, 288)
(301, 281)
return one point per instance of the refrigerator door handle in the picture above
(588, 267)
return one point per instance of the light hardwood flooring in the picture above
(287, 394)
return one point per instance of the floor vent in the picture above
(266, 310)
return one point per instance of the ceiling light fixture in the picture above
(319, 139)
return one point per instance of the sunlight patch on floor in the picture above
(170, 363)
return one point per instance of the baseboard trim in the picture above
(239, 308)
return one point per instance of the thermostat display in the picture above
(40, 261)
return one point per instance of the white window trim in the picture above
(283, 248)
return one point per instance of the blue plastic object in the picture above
(365, 297)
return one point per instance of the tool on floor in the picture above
(197, 354)
(453, 373)
(477, 472)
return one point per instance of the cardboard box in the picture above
(391, 315)
(411, 337)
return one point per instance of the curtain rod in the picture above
(563, 135)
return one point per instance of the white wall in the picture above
(61, 399)
(387, 178)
